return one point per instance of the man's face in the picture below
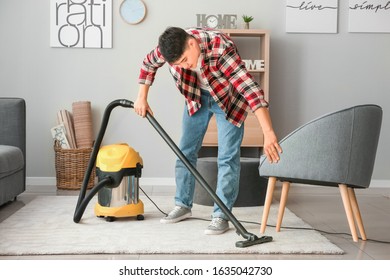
(189, 59)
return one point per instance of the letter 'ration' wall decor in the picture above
(81, 24)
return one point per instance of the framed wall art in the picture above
(81, 24)
(369, 16)
(316, 16)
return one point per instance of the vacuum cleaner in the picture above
(123, 163)
(119, 167)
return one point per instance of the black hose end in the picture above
(80, 208)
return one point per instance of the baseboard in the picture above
(40, 181)
(51, 181)
(380, 184)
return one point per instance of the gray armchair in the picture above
(335, 150)
(12, 148)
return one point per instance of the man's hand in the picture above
(272, 148)
(141, 105)
(271, 145)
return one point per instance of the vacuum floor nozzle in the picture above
(253, 241)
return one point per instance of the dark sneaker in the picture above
(217, 226)
(176, 215)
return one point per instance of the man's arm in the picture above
(141, 105)
(150, 64)
(234, 69)
(271, 145)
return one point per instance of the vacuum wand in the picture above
(240, 229)
(251, 239)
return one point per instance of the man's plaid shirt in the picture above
(231, 86)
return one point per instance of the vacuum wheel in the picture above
(110, 219)
(140, 217)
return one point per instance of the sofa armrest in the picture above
(13, 122)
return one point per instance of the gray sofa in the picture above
(12, 148)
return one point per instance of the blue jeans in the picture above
(229, 142)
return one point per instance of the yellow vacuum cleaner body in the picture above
(123, 165)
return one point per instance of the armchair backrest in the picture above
(337, 148)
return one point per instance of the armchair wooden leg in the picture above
(267, 203)
(348, 210)
(356, 213)
(282, 205)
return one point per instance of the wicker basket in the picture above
(70, 165)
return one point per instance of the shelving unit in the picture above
(256, 48)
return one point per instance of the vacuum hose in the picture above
(251, 239)
(81, 208)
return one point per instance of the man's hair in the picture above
(172, 43)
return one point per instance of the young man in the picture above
(208, 71)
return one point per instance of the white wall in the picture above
(311, 74)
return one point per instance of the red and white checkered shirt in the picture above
(231, 86)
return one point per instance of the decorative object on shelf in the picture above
(257, 64)
(217, 21)
(316, 16)
(133, 11)
(81, 24)
(247, 20)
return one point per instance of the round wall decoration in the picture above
(133, 11)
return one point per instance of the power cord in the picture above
(257, 223)
(318, 230)
(153, 202)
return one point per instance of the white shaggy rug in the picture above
(45, 227)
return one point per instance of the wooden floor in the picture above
(320, 207)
